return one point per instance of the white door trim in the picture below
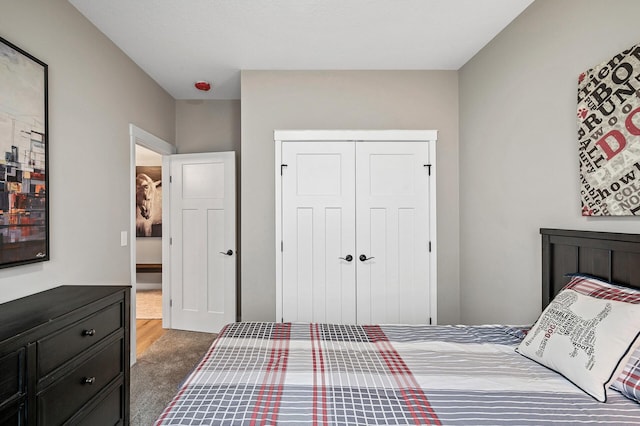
(138, 136)
(278, 242)
(355, 135)
(358, 135)
(433, 234)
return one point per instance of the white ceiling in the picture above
(179, 42)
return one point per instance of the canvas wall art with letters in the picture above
(609, 136)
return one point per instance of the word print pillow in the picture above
(584, 333)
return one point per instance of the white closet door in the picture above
(318, 228)
(392, 206)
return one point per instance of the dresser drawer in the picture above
(13, 414)
(56, 349)
(12, 376)
(108, 413)
(63, 398)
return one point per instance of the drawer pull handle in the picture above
(90, 332)
(88, 380)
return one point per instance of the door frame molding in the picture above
(430, 136)
(138, 136)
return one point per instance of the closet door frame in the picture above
(430, 136)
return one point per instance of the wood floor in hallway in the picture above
(147, 332)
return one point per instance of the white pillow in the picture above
(584, 336)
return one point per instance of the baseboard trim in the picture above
(148, 286)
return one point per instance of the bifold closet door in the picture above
(392, 234)
(355, 232)
(318, 232)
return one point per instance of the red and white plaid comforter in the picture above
(283, 373)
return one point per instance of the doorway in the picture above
(148, 247)
(148, 253)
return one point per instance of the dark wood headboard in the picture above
(614, 257)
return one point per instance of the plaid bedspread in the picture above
(283, 373)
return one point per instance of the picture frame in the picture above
(148, 201)
(24, 159)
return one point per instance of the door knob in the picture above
(364, 257)
(228, 252)
(349, 258)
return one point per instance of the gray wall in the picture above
(516, 171)
(341, 100)
(207, 126)
(95, 91)
(213, 126)
(519, 149)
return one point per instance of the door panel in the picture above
(191, 263)
(216, 273)
(318, 216)
(203, 276)
(393, 229)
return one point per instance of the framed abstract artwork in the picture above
(24, 184)
(609, 136)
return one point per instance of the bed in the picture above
(301, 373)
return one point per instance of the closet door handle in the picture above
(349, 258)
(228, 252)
(364, 258)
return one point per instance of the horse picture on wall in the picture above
(148, 201)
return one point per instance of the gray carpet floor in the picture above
(161, 369)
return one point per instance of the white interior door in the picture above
(392, 209)
(203, 241)
(318, 232)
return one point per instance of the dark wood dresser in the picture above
(64, 357)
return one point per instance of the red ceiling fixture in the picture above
(205, 86)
